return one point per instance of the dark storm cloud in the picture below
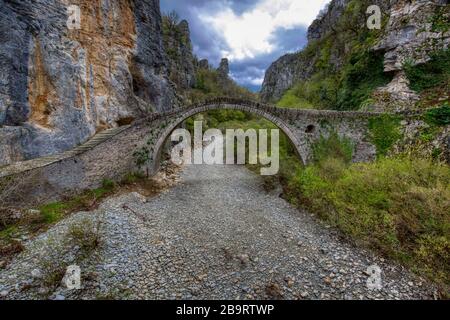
(209, 44)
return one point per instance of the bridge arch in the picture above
(248, 107)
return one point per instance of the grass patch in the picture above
(86, 234)
(347, 89)
(54, 212)
(210, 84)
(440, 20)
(291, 100)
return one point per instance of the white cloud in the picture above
(249, 34)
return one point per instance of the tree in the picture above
(171, 20)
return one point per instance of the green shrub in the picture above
(384, 131)
(347, 89)
(291, 100)
(440, 21)
(333, 147)
(431, 74)
(363, 73)
(211, 85)
(86, 234)
(439, 116)
(319, 92)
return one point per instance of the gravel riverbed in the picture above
(216, 234)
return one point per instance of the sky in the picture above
(250, 33)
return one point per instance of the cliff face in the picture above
(412, 35)
(291, 68)
(178, 46)
(408, 34)
(59, 85)
(283, 74)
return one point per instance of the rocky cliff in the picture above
(342, 49)
(61, 83)
(178, 46)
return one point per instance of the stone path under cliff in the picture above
(215, 235)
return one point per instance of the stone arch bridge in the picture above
(111, 154)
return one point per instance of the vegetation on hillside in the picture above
(211, 84)
(397, 206)
(347, 82)
(347, 71)
(432, 79)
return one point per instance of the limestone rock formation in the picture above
(203, 64)
(409, 35)
(178, 46)
(282, 74)
(59, 85)
(291, 68)
(326, 20)
(224, 68)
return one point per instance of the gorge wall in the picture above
(410, 32)
(59, 86)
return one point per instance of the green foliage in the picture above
(318, 92)
(360, 77)
(438, 116)
(86, 234)
(397, 206)
(131, 178)
(348, 89)
(346, 69)
(8, 233)
(211, 85)
(108, 184)
(440, 20)
(291, 100)
(384, 131)
(333, 147)
(53, 212)
(170, 28)
(141, 157)
(434, 73)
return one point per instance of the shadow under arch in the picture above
(220, 106)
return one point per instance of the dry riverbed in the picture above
(215, 234)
